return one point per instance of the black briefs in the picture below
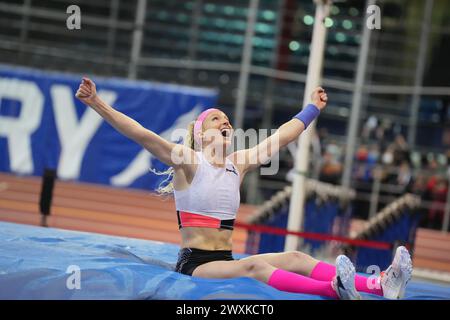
(191, 258)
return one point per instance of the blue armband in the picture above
(308, 114)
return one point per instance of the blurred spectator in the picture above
(401, 150)
(366, 159)
(369, 127)
(419, 185)
(438, 188)
(331, 168)
(362, 153)
(403, 170)
(388, 156)
(322, 133)
(446, 138)
(432, 164)
(374, 154)
(404, 175)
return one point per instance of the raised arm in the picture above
(250, 159)
(159, 147)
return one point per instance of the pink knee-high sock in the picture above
(325, 272)
(288, 281)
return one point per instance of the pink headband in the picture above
(199, 121)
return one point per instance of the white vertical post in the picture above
(25, 24)
(253, 190)
(418, 79)
(193, 37)
(246, 63)
(356, 103)
(24, 27)
(136, 46)
(297, 204)
(112, 29)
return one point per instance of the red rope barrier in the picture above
(315, 236)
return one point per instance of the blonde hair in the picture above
(165, 188)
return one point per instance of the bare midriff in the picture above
(206, 238)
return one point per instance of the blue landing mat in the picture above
(34, 264)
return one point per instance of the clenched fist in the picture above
(87, 93)
(319, 98)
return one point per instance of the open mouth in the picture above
(225, 133)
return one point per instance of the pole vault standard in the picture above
(297, 204)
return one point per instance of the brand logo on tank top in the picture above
(231, 170)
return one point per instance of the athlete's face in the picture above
(216, 128)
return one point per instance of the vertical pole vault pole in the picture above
(297, 205)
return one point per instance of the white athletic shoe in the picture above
(395, 278)
(344, 282)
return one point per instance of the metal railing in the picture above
(378, 193)
(322, 190)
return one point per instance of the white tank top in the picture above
(213, 193)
